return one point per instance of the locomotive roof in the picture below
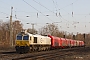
(39, 36)
(22, 33)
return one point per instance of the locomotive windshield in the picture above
(19, 37)
(26, 37)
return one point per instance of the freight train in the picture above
(26, 42)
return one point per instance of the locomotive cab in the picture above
(22, 42)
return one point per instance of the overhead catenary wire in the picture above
(58, 14)
(36, 9)
(43, 6)
(14, 11)
(55, 5)
(15, 16)
(49, 9)
(52, 11)
(65, 7)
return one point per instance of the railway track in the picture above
(50, 56)
(43, 55)
(47, 55)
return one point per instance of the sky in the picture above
(71, 16)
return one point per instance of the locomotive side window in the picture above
(26, 37)
(19, 37)
(30, 37)
(35, 39)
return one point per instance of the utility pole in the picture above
(11, 34)
(32, 27)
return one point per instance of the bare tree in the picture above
(17, 27)
(5, 32)
(51, 29)
(32, 31)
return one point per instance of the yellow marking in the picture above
(22, 43)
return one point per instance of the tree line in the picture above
(5, 32)
(51, 29)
